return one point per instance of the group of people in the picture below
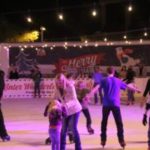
(66, 93)
(127, 74)
(64, 109)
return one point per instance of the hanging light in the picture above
(94, 13)
(124, 37)
(145, 34)
(29, 19)
(96, 45)
(86, 41)
(42, 28)
(60, 16)
(130, 8)
(105, 39)
(141, 40)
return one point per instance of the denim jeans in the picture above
(55, 138)
(100, 94)
(130, 94)
(74, 121)
(87, 116)
(118, 120)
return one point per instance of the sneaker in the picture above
(6, 138)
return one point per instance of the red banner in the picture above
(84, 63)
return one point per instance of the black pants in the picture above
(118, 120)
(148, 134)
(3, 131)
(37, 90)
(87, 116)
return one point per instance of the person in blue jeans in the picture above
(111, 86)
(55, 114)
(66, 93)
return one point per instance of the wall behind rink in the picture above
(23, 88)
(84, 58)
(54, 56)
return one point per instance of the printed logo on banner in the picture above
(84, 63)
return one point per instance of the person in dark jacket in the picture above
(3, 132)
(146, 97)
(13, 73)
(37, 76)
(130, 76)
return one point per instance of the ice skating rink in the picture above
(28, 127)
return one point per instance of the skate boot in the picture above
(48, 141)
(103, 143)
(6, 138)
(71, 138)
(90, 130)
(122, 144)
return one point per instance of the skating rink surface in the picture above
(28, 127)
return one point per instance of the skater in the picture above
(130, 80)
(37, 77)
(65, 91)
(3, 132)
(146, 99)
(82, 91)
(70, 134)
(111, 103)
(55, 114)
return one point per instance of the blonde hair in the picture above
(54, 104)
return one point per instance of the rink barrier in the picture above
(23, 88)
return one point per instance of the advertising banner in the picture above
(23, 88)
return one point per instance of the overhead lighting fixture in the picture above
(145, 34)
(42, 28)
(29, 19)
(60, 16)
(105, 39)
(141, 40)
(94, 13)
(124, 37)
(130, 8)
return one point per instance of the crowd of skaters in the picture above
(67, 93)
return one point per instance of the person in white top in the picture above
(66, 93)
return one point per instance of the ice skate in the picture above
(71, 138)
(90, 130)
(122, 144)
(48, 141)
(103, 143)
(6, 138)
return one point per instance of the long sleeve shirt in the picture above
(147, 89)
